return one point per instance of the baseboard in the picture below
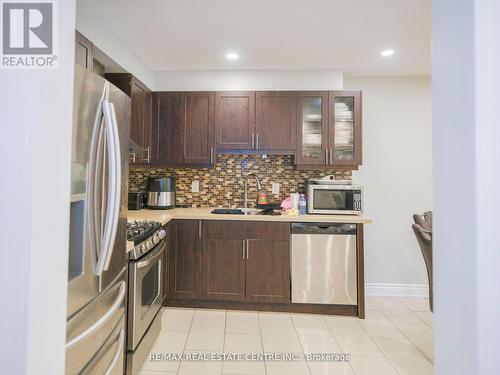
(397, 290)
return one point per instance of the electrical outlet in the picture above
(276, 188)
(195, 186)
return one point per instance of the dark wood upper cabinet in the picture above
(184, 260)
(183, 129)
(83, 52)
(166, 145)
(276, 121)
(345, 128)
(312, 128)
(268, 270)
(329, 129)
(234, 120)
(197, 128)
(223, 269)
(140, 122)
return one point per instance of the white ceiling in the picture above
(347, 35)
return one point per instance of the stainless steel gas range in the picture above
(145, 294)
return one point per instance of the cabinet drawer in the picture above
(225, 229)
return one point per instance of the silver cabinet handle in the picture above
(253, 139)
(331, 156)
(257, 140)
(243, 249)
(148, 158)
(132, 157)
(103, 319)
(247, 248)
(199, 228)
(211, 155)
(326, 156)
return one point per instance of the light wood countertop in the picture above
(164, 216)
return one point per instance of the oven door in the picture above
(328, 199)
(145, 293)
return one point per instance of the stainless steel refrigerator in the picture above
(97, 289)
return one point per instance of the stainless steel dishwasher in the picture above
(324, 263)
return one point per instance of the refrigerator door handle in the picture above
(90, 330)
(106, 228)
(119, 350)
(116, 194)
(93, 221)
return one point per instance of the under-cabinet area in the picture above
(239, 264)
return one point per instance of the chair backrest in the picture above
(425, 220)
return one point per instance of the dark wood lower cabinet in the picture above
(184, 260)
(223, 269)
(268, 271)
(240, 265)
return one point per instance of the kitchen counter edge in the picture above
(164, 216)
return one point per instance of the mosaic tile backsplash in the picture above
(223, 185)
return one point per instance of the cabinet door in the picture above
(234, 120)
(184, 262)
(166, 129)
(276, 121)
(223, 269)
(312, 139)
(197, 128)
(83, 52)
(345, 127)
(166, 257)
(147, 132)
(268, 271)
(140, 133)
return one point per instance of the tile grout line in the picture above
(300, 343)
(338, 343)
(406, 337)
(261, 340)
(187, 338)
(377, 345)
(224, 341)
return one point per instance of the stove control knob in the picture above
(156, 239)
(142, 248)
(162, 234)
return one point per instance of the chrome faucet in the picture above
(245, 202)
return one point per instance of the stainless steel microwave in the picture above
(335, 199)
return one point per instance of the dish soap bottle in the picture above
(302, 205)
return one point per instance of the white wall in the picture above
(396, 175)
(466, 134)
(220, 80)
(94, 28)
(36, 109)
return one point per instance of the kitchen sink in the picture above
(242, 211)
(251, 211)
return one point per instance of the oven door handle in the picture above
(151, 258)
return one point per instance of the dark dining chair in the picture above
(423, 231)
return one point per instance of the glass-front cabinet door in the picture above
(345, 127)
(313, 129)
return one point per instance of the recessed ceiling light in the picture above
(387, 52)
(232, 56)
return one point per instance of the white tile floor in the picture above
(396, 338)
